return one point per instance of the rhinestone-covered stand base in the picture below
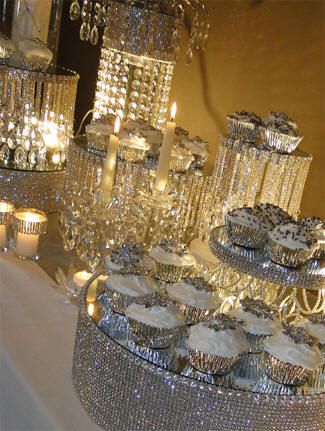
(32, 189)
(122, 392)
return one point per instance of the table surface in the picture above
(37, 333)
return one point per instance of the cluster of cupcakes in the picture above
(277, 131)
(290, 243)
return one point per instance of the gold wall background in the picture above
(261, 56)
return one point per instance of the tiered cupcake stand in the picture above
(124, 386)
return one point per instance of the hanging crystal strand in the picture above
(74, 10)
(86, 19)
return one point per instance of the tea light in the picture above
(80, 278)
(6, 211)
(29, 224)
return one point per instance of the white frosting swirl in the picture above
(156, 316)
(181, 153)
(316, 330)
(135, 141)
(189, 295)
(228, 343)
(132, 285)
(162, 256)
(257, 325)
(100, 128)
(286, 350)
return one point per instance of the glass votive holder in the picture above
(6, 212)
(29, 224)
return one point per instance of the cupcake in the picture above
(129, 258)
(292, 356)
(274, 214)
(98, 136)
(199, 149)
(181, 159)
(194, 297)
(260, 322)
(280, 136)
(216, 345)
(244, 126)
(291, 245)
(281, 117)
(315, 325)
(154, 137)
(317, 227)
(246, 227)
(173, 261)
(181, 134)
(156, 323)
(124, 290)
(133, 148)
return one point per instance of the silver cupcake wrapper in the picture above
(286, 256)
(155, 338)
(256, 342)
(245, 236)
(285, 373)
(250, 367)
(172, 273)
(193, 314)
(132, 154)
(180, 165)
(211, 364)
(119, 301)
(317, 379)
(242, 130)
(275, 141)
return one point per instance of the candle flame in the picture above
(91, 309)
(117, 125)
(173, 112)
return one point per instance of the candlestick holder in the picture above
(6, 212)
(29, 224)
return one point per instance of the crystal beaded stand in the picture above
(34, 189)
(36, 117)
(122, 390)
(246, 175)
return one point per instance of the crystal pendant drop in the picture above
(74, 10)
(85, 31)
(189, 56)
(20, 156)
(4, 153)
(94, 36)
(33, 156)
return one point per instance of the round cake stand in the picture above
(122, 392)
(296, 291)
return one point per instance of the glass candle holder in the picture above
(29, 224)
(6, 211)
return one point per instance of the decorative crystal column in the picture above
(136, 65)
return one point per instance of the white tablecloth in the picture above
(37, 331)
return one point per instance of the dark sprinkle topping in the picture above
(318, 320)
(174, 247)
(199, 283)
(222, 322)
(298, 334)
(258, 308)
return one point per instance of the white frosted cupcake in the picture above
(216, 345)
(315, 325)
(200, 150)
(274, 214)
(156, 323)
(244, 126)
(133, 147)
(291, 244)
(193, 296)
(124, 290)
(260, 322)
(181, 159)
(247, 227)
(129, 258)
(292, 356)
(154, 137)
(173, 261)
(98, 136)
(316, 226)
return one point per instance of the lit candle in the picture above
(80, 278)
(30, 224)
(165, 152)
(6, 211)
(31, 20)
(107, 182)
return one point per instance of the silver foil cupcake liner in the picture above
(286, 256)
(172, 273)
(155, 338)
(275, 141)
(180, 165)
(250, 367)
(245, 236)
(242, 130)
(132, 154)
(193, 314)
(211, 364)
(285, 373)
(256, 342)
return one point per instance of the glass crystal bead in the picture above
(94, 36)
(74, 10)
